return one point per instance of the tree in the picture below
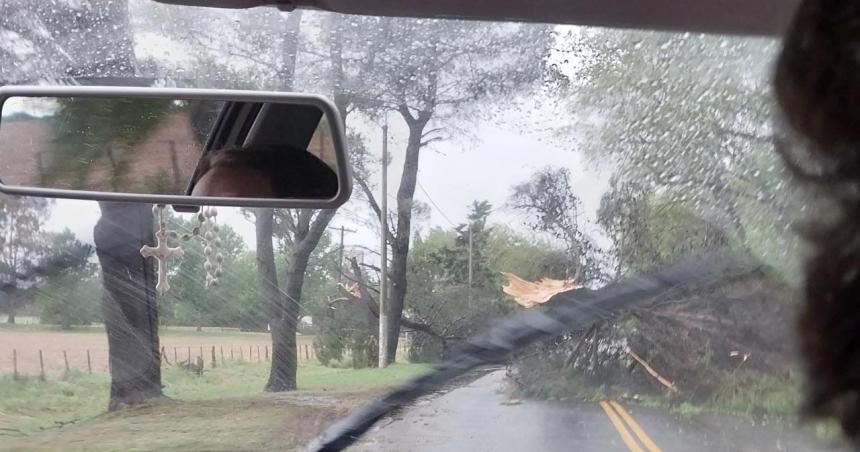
(130, 309)
(687, 116)
(303, 228)
(349, 322)
(648, 230)
(190, 301)
(22, 243)
(528, 257)
(454, 260)
(93, 40)
(89, 129)
(549, 199)
(71, 295)
(428, 73)
(55, 40)
(440, 299)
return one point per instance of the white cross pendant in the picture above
(162, 253)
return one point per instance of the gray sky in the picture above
(452, 174)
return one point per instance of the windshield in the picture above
(496, 164)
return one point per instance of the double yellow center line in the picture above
(621, 420)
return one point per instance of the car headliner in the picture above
(753, 17)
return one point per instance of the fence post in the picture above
(241, 357)
(231, 354)
(89, 363)
(258, 353)
(66, 360)
(41, 366)
(267, 353)
(214, 363)
(222, 355)
(163, 357)
(175, 357)
(201, 352)
(14, 364)
(250, 354)
(307, 357)
(189, 356)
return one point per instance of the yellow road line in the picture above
(635, 427)
(619, 426)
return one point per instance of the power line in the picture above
(442, 212)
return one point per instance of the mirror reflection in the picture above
(215, 148)
(263, 172)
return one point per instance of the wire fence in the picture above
(37, 362)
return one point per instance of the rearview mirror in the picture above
(173, 146)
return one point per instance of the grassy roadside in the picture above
(756, 397)
(221, 410)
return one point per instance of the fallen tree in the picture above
(695, 345)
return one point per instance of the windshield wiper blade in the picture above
(566, 311)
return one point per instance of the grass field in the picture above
(224, 409)
(22, 343)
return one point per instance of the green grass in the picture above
(248, 379)
(224, 409)
(30, 405)
(750, 394)
(755, 393)
(231, 425)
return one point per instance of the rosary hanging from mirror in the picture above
(205, 228)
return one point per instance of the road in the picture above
(480, 417)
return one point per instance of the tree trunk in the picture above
(281, 363)
(13, 306)
(287, 71)
(284, 317)
(129, 304)
(400, 247)
(284, 310)
(282, 376)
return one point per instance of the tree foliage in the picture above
(471, 237)
(679, 115)
(440, 298)
(71, 296)
(549, 200)
(429, 73)
(22, 244)
(189, 302)
(52, 40)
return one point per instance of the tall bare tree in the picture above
(271, 43)
(429, 73)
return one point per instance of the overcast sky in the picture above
(452, 174)
(496, 155)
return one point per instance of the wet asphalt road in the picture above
(480, 417)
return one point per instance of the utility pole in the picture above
(383, 280)
(342, 230)
(470, 265)
(340, 257)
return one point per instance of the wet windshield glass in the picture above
(522, 160)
